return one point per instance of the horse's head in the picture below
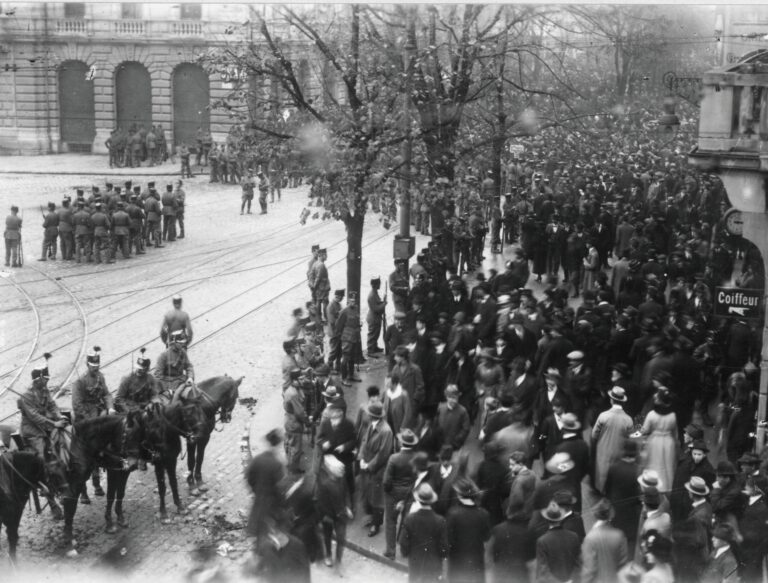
(154, 431)
(193, 419)
(229, 400)
(55, 475)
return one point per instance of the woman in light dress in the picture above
(660, 431)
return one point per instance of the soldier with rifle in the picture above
(50, 232)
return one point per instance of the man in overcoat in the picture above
(374, 451)
(423, 539)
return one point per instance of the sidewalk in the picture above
(85, 164)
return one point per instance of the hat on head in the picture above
(339, 293)
(697, 486)
(330, 392)
(725, 468)
(456, 284)
(570, 422)
(749, 458)
(51, 205)
(617, 394)
(652, 497)
(150, 184)
(451, 391)
(553, 373)
(553, 513)
(621, 368)
(289, 345)
(724, 531)
(649, 479)
(142, 361)
(420, 461)
(315, 248)
(408, 438)
(559, 463)
(375, 280)
(93, 358)
(323, 370)
(40, 372)
(459, 317)
(375, 410)
(399, 315)
(128, 184)
(694, 431)
(575, 355)
(564, 498)
(136, 189)
(701, 446)
(630, 448)
(275, 437)
(517, 318)
(424, 494)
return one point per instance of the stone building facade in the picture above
(72, 72)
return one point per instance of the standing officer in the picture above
(375, 315)
(348, 329)
(39, 416)
(247, 184)
(319, 283)
(296, 420)
(181, 199)
(121, 230)
(82, 221)
(152, 208)
(213, 156)
(313, 259)
(176, 320)
(334, 338)
(263, 191)
(169, 214)
(91, 398)
(101, 227)
(136, 215)
(12, 237)
(137, 389)
(66, 229)
(50, 233)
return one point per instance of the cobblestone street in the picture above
(239, 276)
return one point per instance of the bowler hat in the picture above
(553, 513)
(621, 368)
(701, 446)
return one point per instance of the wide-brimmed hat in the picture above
(617, 394)
(694, 431)
(376, 410)
(570, 422)
(575, 355)
(553, 373)
(424, 494)
(649, 479)
(408, 438)
(559, 463)
(553, 513)
(696, 485)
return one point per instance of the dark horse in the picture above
(112, 442)
(219, 394)
(20, 473)
(166, 425)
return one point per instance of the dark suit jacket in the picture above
(578, 449)
(558, 556)
(512, 546)
(623, 491)
(525, 346)
(343, 435)
(554, 354)
(468, 529)
(423, 540)
(264, 474)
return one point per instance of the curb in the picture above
(88, 173)
(376, 556)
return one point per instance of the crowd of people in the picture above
(592, 373)
(93, 229)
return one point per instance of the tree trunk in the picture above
(354, 225)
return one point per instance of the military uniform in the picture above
(263, 191)
(295, 421)
(374, 317)
(169, 216)
(50, 233)
(334, 338)
(320, 285)
(348, 329)
(39, 413)
(82, 222)
(181, 198)
(121, 228)
(136, 227)
(136, 390)
(12, 239)
(152, 208)
(90, 396)
(101, 228)
(175, 320)
(173, 368)
(66, 230)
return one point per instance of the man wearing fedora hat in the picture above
(558, 551)
(693, 463)
(423, 538)
(752, 532)
(727, 499)
(557, 467)
(336, 436)
(574, 445)
(701, 509)
(373, 453)
(611, 430)
(604, 549)
(722, 566)
(398, 481)
(469, 527)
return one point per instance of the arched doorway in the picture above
(77, 114)
(133, 95)
(191, 98)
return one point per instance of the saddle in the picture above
(184, 393)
